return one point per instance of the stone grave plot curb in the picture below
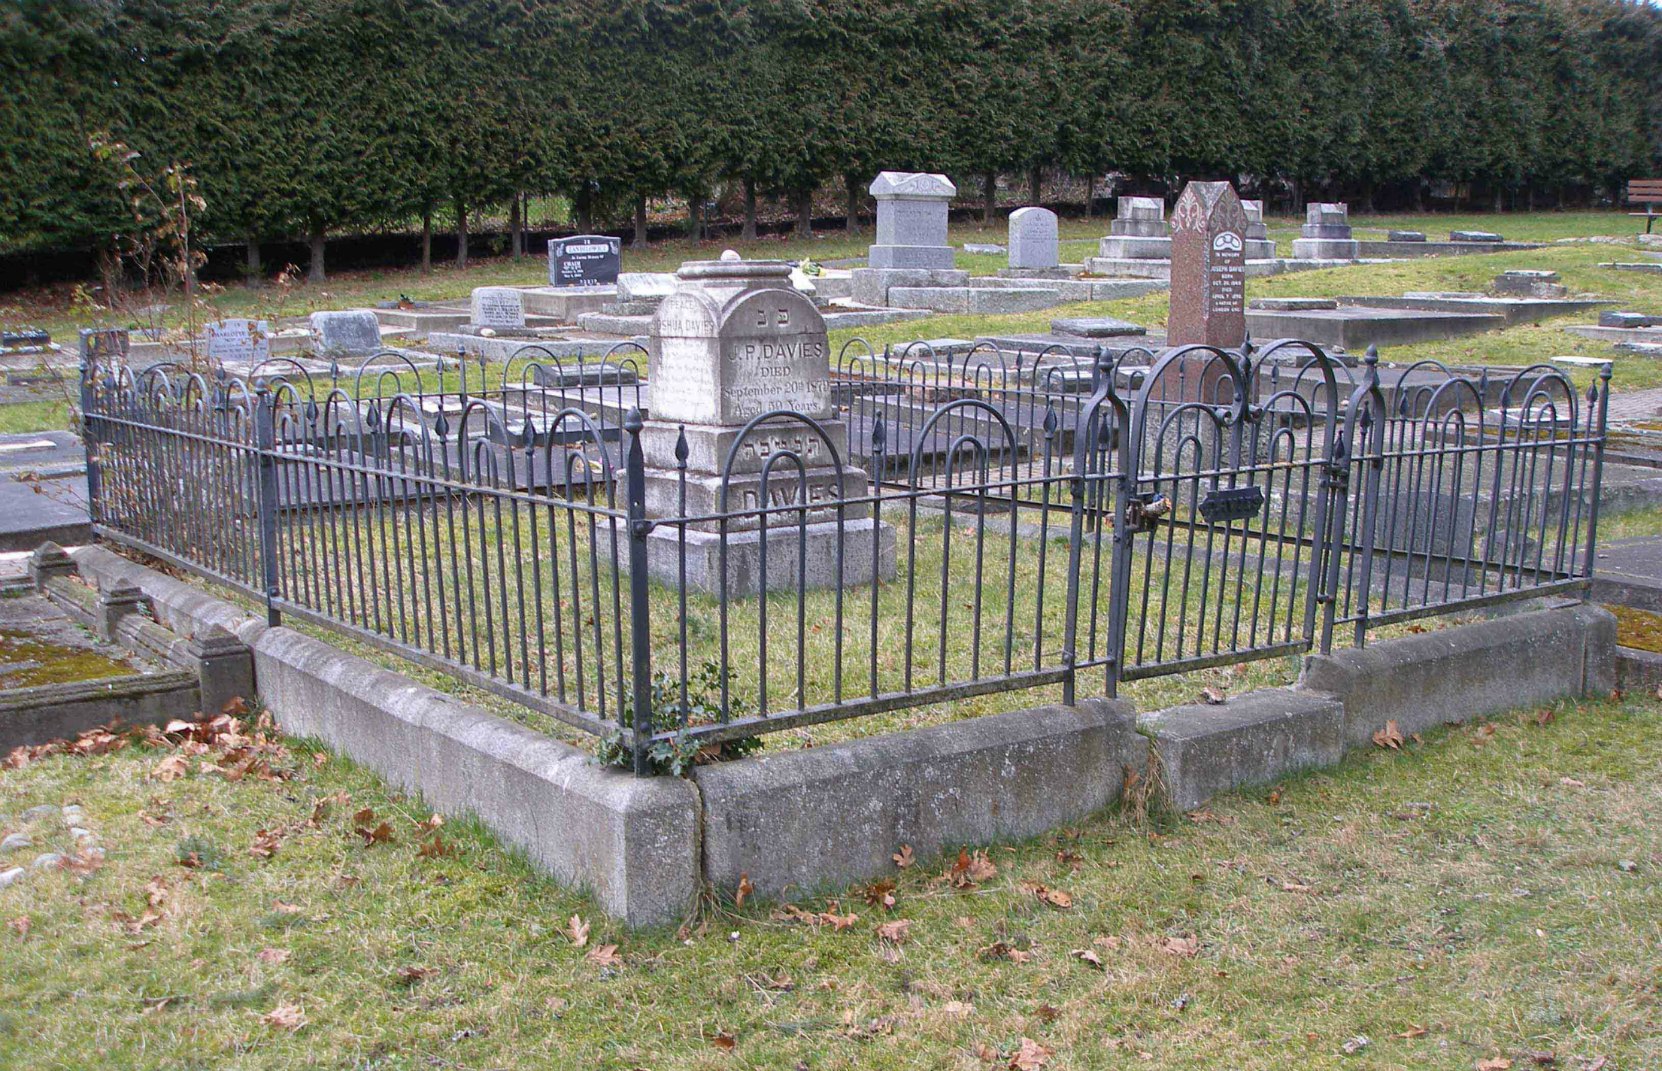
(806, 821)
(1453, 675)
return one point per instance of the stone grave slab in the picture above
(1474, 236)
(1095, 327)
(349, 333)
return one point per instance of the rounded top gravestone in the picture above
(1033, 238)
(734, 341)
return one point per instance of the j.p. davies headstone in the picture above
(734, 342)
(1208, 267)
(584, 260)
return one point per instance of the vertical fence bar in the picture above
(1603, 388)
(640, 633)
(265, 447)
(90, 440)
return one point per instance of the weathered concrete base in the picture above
(1453, 675)
(971, 299)
(703, 551)
(59, 711)
(1639, 672)
(1325, 249)
(630, 842)
(797, 822)
(1251, 739)
(870, 286)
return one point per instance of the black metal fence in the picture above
(970, 522)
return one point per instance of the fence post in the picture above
(1085, 441)
(265, 447)
(1603, 389)
(90, 440)
(640, 632)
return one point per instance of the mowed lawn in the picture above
(1486, 898)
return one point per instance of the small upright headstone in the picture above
(498, 307)
(1033, 238)
(584, 260)
(911, 220)
(1208, 267)
(1138, 231)
(105, 343)
(229, 341)
(1326, 233)
(1258, 244)
(1526, 283)
(350, 333)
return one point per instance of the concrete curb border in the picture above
(797, 822)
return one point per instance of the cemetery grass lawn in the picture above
(56, 308)
(34, 416)
(1488, 894)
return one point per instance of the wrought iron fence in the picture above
(968, 523)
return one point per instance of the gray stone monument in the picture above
(351, 333)
(911, 248)
(501, 308)
(1138, 231)
(237, 341)
(1258, 244)
(1326, 233)
(1033, 239)
(734, 342)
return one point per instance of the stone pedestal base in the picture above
(868, 550)
(1324, 249)
(1260, 249)
(1123, 247)
(910, 256)
(566, 303)
(870, 286)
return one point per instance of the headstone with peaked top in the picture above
(1033, 238)
(734, 342)
(1208, 267)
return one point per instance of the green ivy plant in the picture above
(679, 752)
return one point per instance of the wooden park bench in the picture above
(1649, 193)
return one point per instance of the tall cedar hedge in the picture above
(298, 114)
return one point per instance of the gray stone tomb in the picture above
(1326, 234)
(911, 220)
(1138, 231)
(1033, 238)
(733, 342)
(350, 333)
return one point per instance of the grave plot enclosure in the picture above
(940, 525)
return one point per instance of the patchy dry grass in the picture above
(1490, 894)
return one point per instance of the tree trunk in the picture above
(1035, 186)
(640, 221)
(856, 201)
(516, 231)
(315, 270)
(461, 233)
(426, 239)
(695, 224)
(990, 203)
(805, 213)
(1090, 197)
(584, 206)
(251, 267)
(749, 232)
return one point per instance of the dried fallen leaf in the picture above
(412, 975)
(1494, 1063)
(1183, 945)
(903, 858)
(1414, 1031)
(285, 1017)
(1030, 1056)
(957, 1009)
(20, 925)
(1054, 897)
(723, 1041)
(745, 889)
(1213, 696)
(381, 834)
(894, 932)
(1003, 950)
(605, 956)
(1389, 737)
(880, 894)
(435, 848)
(1294, 886)
(170, 769)
(1544, 716)
(577, 930)
(1570, 782)
(273, 955)
(265, 844)
(1088, 956)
